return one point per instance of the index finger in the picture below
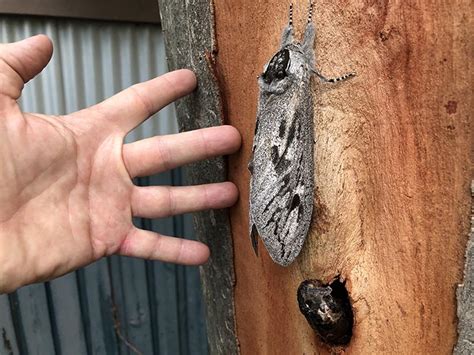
(132, 106)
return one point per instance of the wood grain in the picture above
(393, 159)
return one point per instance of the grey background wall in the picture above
(117, 305)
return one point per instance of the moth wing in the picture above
(283, 192)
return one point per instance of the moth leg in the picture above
(333, 80)
(287, 35)
(250, 165)
(254, 238)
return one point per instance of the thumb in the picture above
(22, 61)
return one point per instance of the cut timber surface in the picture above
(393, 157)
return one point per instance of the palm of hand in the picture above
(66, 194)
(78, 178)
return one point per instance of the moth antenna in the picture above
(310, 11)
(309, 35)
(287, 35)
(290, 15)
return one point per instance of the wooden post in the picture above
(393, 164)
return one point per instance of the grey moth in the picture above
(282, 165)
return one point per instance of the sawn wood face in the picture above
(393, 163)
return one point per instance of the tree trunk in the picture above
(393, 164)
(189, 38)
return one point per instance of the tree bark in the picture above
(190, 43)
(393, 164)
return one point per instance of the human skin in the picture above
(66, 193)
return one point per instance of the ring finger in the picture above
(164, 201)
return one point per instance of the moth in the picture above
(281, 165)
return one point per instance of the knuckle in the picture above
(171, 201)
(139, 97)
(180, 251)
(164, 155)
(204, 143)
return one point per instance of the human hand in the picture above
(66, 191)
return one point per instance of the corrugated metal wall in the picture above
(117, 305)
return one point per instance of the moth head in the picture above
(281, 71)
(277, 69)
